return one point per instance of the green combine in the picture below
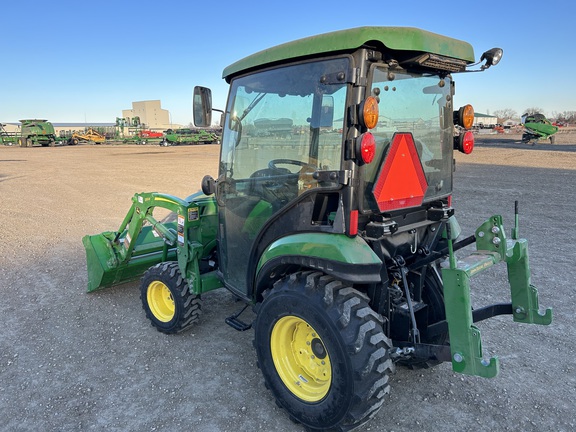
(37, 131)
(332, 217)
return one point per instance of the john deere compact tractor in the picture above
(339, 231)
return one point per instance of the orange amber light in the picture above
(467, 116)
(370, 112)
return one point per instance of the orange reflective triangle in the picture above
(401, 181)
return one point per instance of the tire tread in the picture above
(361, 329)
(188, 305)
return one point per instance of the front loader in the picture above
(340, 231)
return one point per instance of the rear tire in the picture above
(167, 300)
(322, 351)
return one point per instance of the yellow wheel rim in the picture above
(160, 301)
(301, 359)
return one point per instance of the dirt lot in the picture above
(72, 361)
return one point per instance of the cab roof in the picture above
(393, 38)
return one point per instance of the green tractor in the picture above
(37, 131)
(339, 234)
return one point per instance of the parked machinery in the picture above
(538, 127)
(37, 131)
(91, 135)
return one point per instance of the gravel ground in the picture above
(72, 361)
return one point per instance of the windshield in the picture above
(420, 105)
(286, 120)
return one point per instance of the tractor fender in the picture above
(349, 259)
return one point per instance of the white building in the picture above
(150, 114)
(484, 120)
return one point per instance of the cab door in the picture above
(281, 126)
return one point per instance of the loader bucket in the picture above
(106, 266)
(101, 260)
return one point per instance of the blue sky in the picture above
(75, 61)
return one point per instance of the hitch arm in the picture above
(465, 337)
(492, 248)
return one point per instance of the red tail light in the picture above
(467, 143)
(366, 149)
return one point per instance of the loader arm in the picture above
(142, 241)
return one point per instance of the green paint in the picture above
(492, 248)
(194, 136)
(122, 256)
(524, 295)
(465, 338)
(332, 247)
(394, 38)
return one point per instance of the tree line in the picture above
(568, 117)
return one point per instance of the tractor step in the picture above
(236, 323)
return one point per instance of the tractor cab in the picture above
(357, 140)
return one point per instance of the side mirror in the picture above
(208, 185)
(202, 106)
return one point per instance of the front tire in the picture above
(322, 351)
(167, 300)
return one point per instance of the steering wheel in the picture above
(272, 164)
